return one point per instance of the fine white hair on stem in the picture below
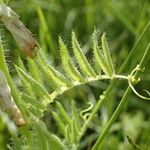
(7, 103)
(21, 34)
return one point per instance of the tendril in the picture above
(147, 92)
(135, 92)
(131, 80)
(137, 68)
(85, 113)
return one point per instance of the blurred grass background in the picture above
(122, 20)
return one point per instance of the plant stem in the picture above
(121, 104)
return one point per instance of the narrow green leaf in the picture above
(57, 80)
(26, 86)
(68, 135)
(35, 111)
(67, 64)
(81, 59)
(73, 132)
(45, 31)
(32, 101)
(48, 78)
(40, 139)
(59, 122)
(106, 53)
(76, 115)
(116, 12)
(34, 84)
(20, 63)
(63, 113)
(57, 77)
(99, 56)
(35, 71)
(54, 141)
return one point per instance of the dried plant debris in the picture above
(7, 103)
(21, 34)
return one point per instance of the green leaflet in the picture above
(34, 70)
(103, 57)
(58, 77)
(99, 56)
(81, 59)
(63, 113)
(34, 84)
(76, 115)
(106, 53)
(45, 140)
(74, 132)
(59, 122)
(32, 101)
(67, 64)
(26, 85)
